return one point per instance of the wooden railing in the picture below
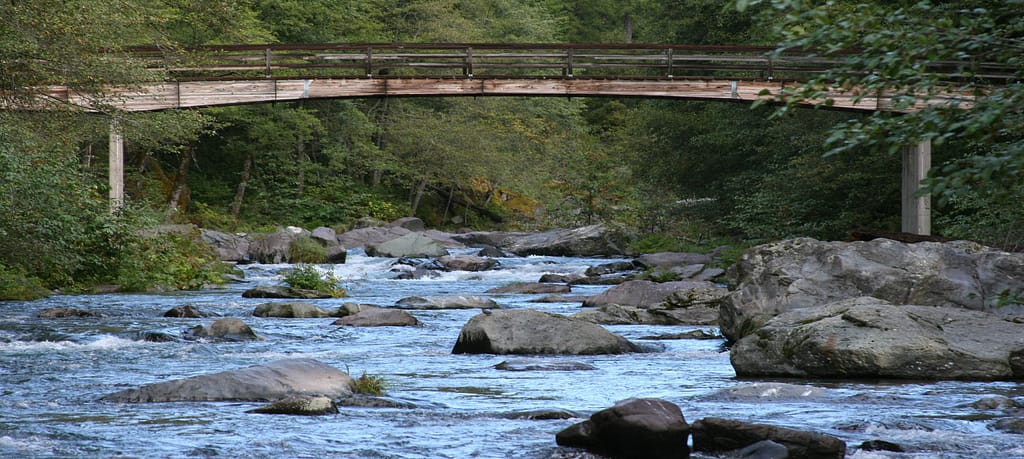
(482, 60)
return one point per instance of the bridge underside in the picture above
(191, 94)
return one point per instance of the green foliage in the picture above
(370, 385)
(308, 277)
(167, 261)
(15, 284)
(974, 39)
(306, 250)
(654, 243)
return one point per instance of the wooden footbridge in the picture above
(247, 74)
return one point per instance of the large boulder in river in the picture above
(587, 241)
(275, 247)
(632, 428)
(227, 329)
(294, 310)
(372, 235)
(370, 316)
(229, 247)
(645, 294)
(526, 331)
(652, 303)
(871, 338)
(775, 278)
(466, 263)
(273, 381)
(412, 245)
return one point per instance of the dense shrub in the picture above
(308, 277)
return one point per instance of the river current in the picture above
(52, 371)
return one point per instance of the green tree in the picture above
(971, 48)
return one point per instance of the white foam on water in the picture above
(103, 342)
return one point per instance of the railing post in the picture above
(915, 210)
(567, 71)
(116, 165)
(267, 71)
(369, 62)
(467, 70)
(668, 57)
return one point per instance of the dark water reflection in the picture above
(53, 371)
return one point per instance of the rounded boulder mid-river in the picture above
(273, 381)
(527, 331)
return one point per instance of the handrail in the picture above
(499, 60)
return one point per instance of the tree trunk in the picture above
(180, 182)
(417, 194)
(236, 204)
(300, 160)
(627, 22)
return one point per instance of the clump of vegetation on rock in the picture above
(370, 385)
(308, 277)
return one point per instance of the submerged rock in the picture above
(526, 331)
(273, 381)
(187, 311)
(543, 365)
(302, 405)
(62, 313)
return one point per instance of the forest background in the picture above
(680, 175)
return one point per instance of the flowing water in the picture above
(52, 371)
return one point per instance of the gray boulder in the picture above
(647, 294)
(409, 223)
(530, 288)
(775, 278)
(587, 241)
(187, 311)
(633, 428)
(273, 381)
(229, 247)
(228, 329)
(412, 245)
(297, 310)
(275, 247)
(467, 263)
(327, 237)
(614, 314)
(871, 338)
(669, 260)
(447, 302)
(526, 331)
(301, 405)
(378, 317)
(715, 435)
(543, 365)
(368, 236)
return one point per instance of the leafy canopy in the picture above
(920, 53)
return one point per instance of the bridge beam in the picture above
(916, 210)
(116, 172)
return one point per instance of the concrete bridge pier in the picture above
(116, 173)
(916, 210)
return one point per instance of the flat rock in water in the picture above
(447, 302)
(526, 331)
(531, 288)
(378, 317)
(228, 329)
(543, 365)
(297, 310)
(285, 292)
(303, 405)
(273, 381)
(62, 313)
(720, 435)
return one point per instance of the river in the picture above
(52, 371)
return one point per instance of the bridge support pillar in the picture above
(916, 210)
(116, 172)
